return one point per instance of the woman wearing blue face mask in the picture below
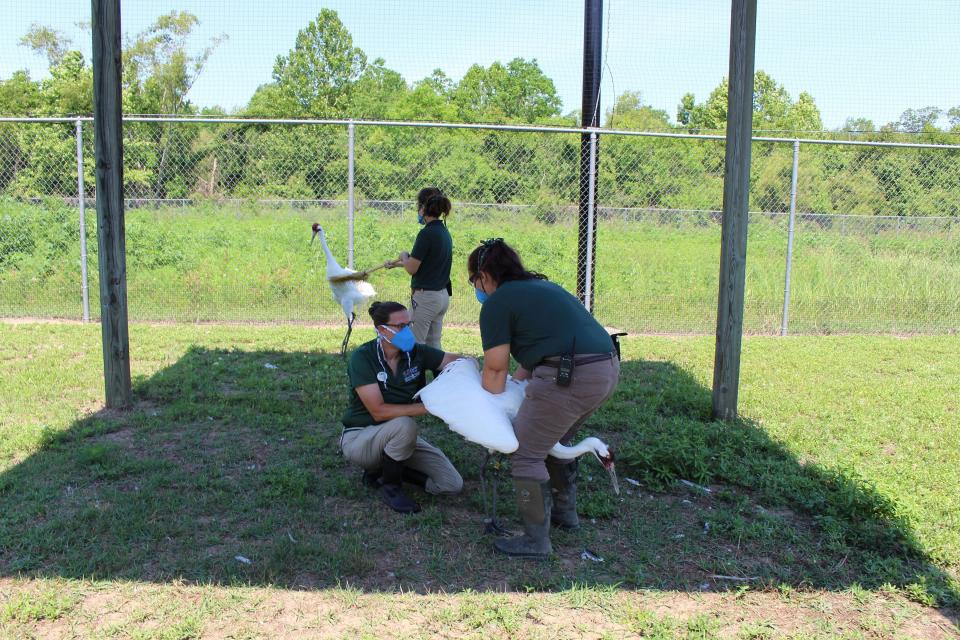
(572, 368)
(380, 433)
(428, 264)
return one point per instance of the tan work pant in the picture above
(398, 439)
(551, 414)
(428, 309)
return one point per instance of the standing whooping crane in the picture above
(457, 397)
(348, 292)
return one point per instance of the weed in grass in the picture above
(757, 630)
(702, 627)
(46, 604)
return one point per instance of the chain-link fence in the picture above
(219, 212)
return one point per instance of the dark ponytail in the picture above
(437, 206)
(380, 311)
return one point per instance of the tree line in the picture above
(325, 76)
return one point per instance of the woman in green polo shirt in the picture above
(428, 264)
(379, 430)
(542, 326)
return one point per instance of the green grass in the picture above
(833, 498)
(655, 274)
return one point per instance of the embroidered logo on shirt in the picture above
(411, 374)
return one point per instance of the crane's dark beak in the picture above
(313, 236)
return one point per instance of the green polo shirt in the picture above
(434, 249)
(398, 388)
(539, 319)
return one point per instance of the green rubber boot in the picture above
(533, 503)
(563, 486)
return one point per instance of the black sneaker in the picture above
(397, 500)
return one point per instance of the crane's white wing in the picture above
(457, 397)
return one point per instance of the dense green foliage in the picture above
(325, 76)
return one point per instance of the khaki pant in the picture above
(398, 439)
(428, 309)
(551, 414)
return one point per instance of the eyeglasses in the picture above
(400, 325)
(472, 279)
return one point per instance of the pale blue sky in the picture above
(857, 58)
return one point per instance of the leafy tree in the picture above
(859, 125)
(320, 72)
(19, 95)
(48, 42)
(629, 112)
(379, 91)
(773, 108)
(517, 92)
(954, 115)
(919, 120)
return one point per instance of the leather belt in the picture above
(578, 361)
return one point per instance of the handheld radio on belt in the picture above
(565, 369)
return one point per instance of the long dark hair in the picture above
(498, 259)
(380, 311)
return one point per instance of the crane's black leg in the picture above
(490, 524)
(346, 338)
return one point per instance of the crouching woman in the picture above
(380, 433)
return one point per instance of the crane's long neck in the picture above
(569, 453)
(331, 261)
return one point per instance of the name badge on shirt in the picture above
(411, 374)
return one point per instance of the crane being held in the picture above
(350, 288)
(457, 397)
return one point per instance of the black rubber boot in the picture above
(563, 486)
(533, 503)
(390, 490)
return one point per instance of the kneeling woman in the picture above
(538, 323)
(380, 433)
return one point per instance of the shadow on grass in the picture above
(226, 471)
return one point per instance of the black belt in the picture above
(577, 361)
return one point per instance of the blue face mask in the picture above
(481, 295)
(420, 218)
(403, 339)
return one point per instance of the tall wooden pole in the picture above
(108, 147)
(589, 150)
(736, 199)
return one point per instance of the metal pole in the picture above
(350, 202)
(84, 289)
(793, 215)
(736, 199)
(591, 217)
(589, 109)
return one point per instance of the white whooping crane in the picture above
(457, 397)
(349, 293)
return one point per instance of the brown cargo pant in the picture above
(398, 439)
(551, 414)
